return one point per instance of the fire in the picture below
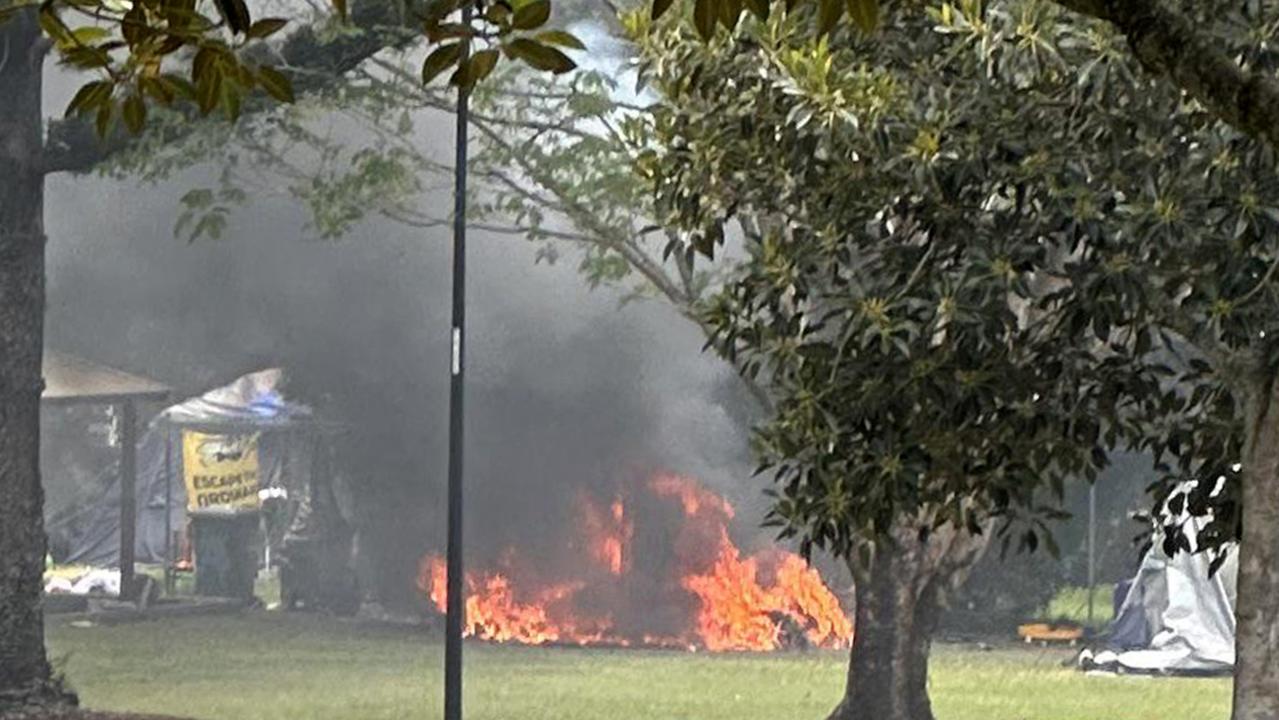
(802, 594)
(734, 613)
(607, 534)
(708, 596)
(695, 498)
(494, 613)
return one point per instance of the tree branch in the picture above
(1168, 43)
(310, 63)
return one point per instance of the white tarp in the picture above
(1176, 618)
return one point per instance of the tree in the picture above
(1173, 39)
(128, 46)
(977, 228)
(24, 670)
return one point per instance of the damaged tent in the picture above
(1177, 618)
(255, 440)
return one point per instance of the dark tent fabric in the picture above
(252, 403)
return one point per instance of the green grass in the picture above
(276, 666)
(1071, 603)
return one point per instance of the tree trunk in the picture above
(24, 669)
(1256, 691)
(900, 592)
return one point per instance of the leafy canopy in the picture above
(210, 54)
(984, 249)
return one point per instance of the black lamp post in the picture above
(456, 587)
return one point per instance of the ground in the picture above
(80, 714)
(276, 666)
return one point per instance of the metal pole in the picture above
(168, 508)
(456, 600)
(1092, 549)
(128, 496)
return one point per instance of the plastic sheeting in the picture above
(1176, 618)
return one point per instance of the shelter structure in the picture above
(1177, 618)
(69, 380)
(209, 460)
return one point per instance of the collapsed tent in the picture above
(1176, 618)
(288, 445)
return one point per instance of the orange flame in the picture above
(734, 608)
(731, 609)
(692, 496)
(802, 594)
(607, 534)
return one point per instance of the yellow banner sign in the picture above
(221, 471)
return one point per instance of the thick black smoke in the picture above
(566, 390)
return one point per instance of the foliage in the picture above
(211, 54)
(1198, 47)
(550, 164)
(988, 250)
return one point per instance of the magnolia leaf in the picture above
(157, 88)
(134, 111)
(133, 27)
(704, 14)
(207, 90)
(532, 15)
(276, 84)
(474, 69)
(103, 121)
(89, 97)
(437, 10)
(539, 56)
(179, 85)
(230, 99)
(828, 14)
(438, 31)
(865, 14)
(206, 62)
(498, 14)
(170, 45)
(236, 14)
(440, 59)
(53, 26)
(729, 12)
(561, 38)
(267, 27)
(90, 34)
(759, 8)
(85, 58)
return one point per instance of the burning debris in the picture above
(669, 576)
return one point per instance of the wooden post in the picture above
(128, 494)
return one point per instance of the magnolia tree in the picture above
(986, 249)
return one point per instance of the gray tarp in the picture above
(252, 403)
(1176, 617)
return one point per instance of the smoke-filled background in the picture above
(567, 391)
(565, 388)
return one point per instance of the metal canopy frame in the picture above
(74, 381)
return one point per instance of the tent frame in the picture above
(71, 381)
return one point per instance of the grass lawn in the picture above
(276, 666)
